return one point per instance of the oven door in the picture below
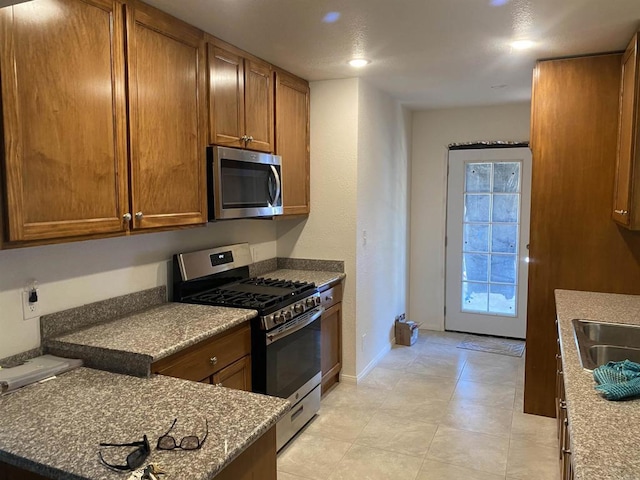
(245, 184)
(293, 356)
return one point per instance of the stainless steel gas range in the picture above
(285, 336)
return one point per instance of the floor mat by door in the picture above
(501, 346)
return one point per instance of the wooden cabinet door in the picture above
(624, 210)
(237, 375)
(226, 97)
(64, 114)
(167, 119)
(258, 103)
(331, 346)
(292, 141)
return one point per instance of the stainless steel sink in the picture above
(599, 343)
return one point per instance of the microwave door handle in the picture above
(278, 185)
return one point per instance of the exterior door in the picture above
(488, 203)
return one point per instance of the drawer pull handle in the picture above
(213, 360)
(329, 298)
(621, 212)
(297, 414)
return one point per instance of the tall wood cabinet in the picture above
(292, 141)
(626, 199)
(240, 98)
(574, 244)
(67, 120)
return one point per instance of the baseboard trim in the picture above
(354, 380)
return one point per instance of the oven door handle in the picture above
(276, 177)
(280, 335)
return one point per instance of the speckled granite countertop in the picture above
(320, 278)
(131, 344)
(604, 434)
(54, 428)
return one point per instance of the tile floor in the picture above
(426, 412)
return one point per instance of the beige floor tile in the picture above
(340, 422)
(518, 402)
(487, 358)
(535, 429)
(420, 407)
(288, 476)
(355, 396)
(380, 377)
(444, 338)
(410, 437)
(312, 457)
(365, 463)
(530, 461)
(437, 365)
(492, 395)
(438, 388)
(398, 358)
(490, 373)
(433, 470)
(487, 453)
(478, 418)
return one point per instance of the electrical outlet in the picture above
(30, 309)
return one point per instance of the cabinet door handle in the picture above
(249, 139)
(213, 360)
(139, 215)
(621, 212)
(127, 217)
(219, 384)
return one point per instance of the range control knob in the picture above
(318, 300)
(298, 308)
(287, 315)
(279, 319)
(310, 303)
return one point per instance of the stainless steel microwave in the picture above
(243, 184)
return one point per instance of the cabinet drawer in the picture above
(331, 296)
(206, 358)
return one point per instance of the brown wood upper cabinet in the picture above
(240, 98)
(626, 200)
(67, 169)
(167, 119)
(292, 141)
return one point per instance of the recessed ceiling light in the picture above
(359, 62)
(522, 44)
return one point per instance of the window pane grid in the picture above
(490, 238)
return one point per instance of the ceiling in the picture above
(425, 53)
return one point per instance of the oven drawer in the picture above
(331, 296)
(206, 358)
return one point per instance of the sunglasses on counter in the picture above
(134, 460)
(191, 442)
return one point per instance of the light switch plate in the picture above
(30, 310)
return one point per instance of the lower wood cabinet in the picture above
(564, 440)
(331, 337)
(224, 359)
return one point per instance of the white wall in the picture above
(359, 171)
(74, 274)
(329, 233)
(382, 203)
(433, 131)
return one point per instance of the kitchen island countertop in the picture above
(54, 428)
(604, 434)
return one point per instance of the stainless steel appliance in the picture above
(285, 336)
(243, 184)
